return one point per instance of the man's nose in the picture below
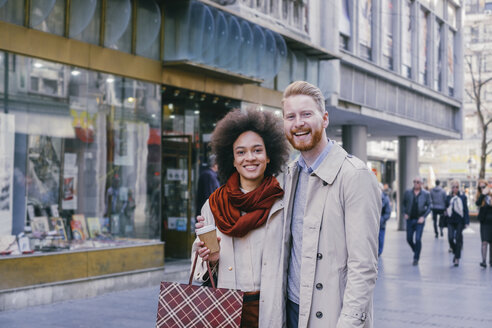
(299, 121)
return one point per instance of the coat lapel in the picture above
(318, 187)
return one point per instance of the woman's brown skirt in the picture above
(251, 310)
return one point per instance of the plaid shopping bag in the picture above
(185, 305)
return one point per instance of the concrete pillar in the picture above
(354, 139)
(408, 168)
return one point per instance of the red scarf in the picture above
(229, 201)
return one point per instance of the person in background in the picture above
(438, 198)
(484, 203)
(457, 219)
(333, 206)
(248, 213)
(208, 182)
(416, 207)
(385, 215)
(389, 192)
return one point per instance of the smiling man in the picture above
(333, 206)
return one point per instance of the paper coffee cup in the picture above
(208, 234)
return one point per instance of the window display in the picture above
(84, 168)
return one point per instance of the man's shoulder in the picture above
(355, 162)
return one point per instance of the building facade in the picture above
(107, 107)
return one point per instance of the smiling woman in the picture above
(265, 124)
(248, 212)
(250, 159)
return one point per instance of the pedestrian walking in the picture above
(248, 212)
(333, 206)
(457, 219)
(484, 203)
(385, 216)
(208, 182)
(438, 200)
(416, 207)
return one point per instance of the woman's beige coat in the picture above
(339, 242)
(275, 251)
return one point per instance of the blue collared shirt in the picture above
(302, 163)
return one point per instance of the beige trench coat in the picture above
(275, 255)
(339, 242)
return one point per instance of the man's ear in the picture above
(326, 120)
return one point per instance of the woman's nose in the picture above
(250, 155)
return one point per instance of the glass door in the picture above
(178, 231)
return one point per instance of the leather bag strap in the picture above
(208, 269)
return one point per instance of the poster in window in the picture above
(43, 170)
(124, 143)
(94, 227)
(423, 41)
(54, 210)
(387, 25)
(451, 59)
(70, 170)
(7, 140)
(345, 18)
(24, 244)
(365, 23)
(40, 224)
(60, 228)
(406, 35)
(79, 228)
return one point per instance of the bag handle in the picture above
(208, 268)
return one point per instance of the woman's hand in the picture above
(200, 222)
(203, 251)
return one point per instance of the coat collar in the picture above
(329, 167)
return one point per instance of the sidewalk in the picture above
(432, 294)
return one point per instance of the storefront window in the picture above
(406, 38)
(48, 16)
(85, 20)
(12, 11)
(423, 46)
(86, 168)
(387, 25)
(365, 28)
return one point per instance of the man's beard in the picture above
(316, 136)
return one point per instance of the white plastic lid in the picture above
(205, 229)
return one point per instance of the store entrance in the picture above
(188, 120)
(176, 195)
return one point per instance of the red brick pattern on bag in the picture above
(182, 305)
